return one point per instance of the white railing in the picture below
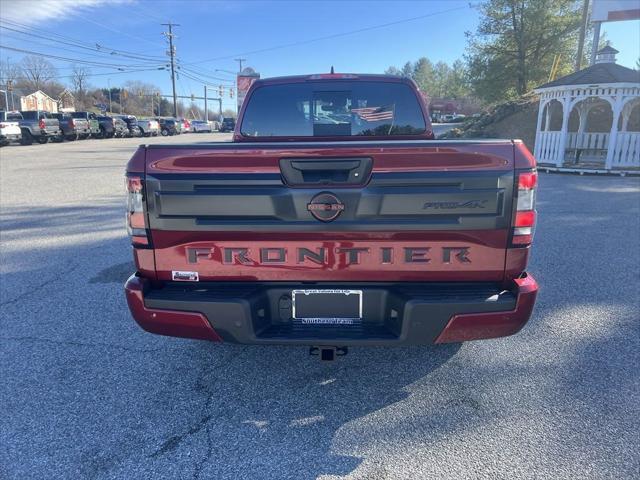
(547, 147)
(588, 141)
(588, 147)
(593, 147)
(627, 150)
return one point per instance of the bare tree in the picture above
(79, 79)
(9, 72)
(37, 71)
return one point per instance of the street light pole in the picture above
(109, 85)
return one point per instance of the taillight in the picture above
(3, 125)
(525, 219)
(72, 123)
(41, 124)
(135, 213)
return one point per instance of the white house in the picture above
(39, 100)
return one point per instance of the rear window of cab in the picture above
(329, 109)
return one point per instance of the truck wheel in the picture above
(42, 139)
(164, 132)
(101, 133)
(27, 138)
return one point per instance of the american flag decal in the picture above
(374, 114)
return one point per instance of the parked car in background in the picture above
(448, 118)
(121, 127)
(111, 127)
(39, 126)
(169, 126)
(228, 124)
(132, 125)
(200, 126)
(72, 128)
(185, 125)
(10, 127)
(149, 127)
(90, 117)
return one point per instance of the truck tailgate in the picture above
(425, 211)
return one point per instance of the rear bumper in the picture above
(394, 314)
(10, 137)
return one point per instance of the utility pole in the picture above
(172, 54)
(109, 85)
(583, 26)
(240, 60)
(206, 111)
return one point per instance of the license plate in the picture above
(331, 307)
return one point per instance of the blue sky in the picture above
(211, 34)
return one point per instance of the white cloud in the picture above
(36, 11)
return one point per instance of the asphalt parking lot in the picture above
(86, 394)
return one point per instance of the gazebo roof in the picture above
(597, 74)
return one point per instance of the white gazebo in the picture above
(590, 119)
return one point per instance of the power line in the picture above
(27, 30)
(204, 81)
(200, 74)
(73, 60)
(107, 73)
(57, 47)
(107, 27)
(335, 35)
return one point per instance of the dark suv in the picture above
(168, 126)
(228, 124)
(132, 125)
(112, 127)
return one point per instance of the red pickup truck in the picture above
(332, 219)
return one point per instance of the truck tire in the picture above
(164, 132)
(42, 139)
(27, 138)
(101, 134)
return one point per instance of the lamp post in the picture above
(109, 84)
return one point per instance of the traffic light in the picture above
(220, 91)
(231, 93)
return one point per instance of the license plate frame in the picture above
(301, 296)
